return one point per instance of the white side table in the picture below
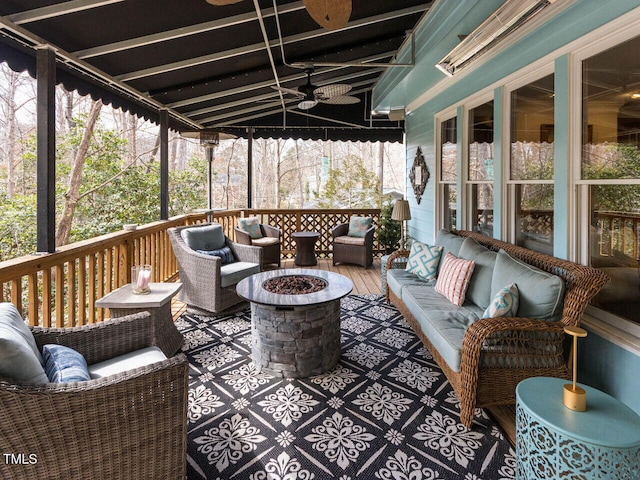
(123, 301)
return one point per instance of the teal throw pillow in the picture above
(504, 303)
(225, 254)
(251, 225)
(424, 260)
(358, 226)
(64, 365)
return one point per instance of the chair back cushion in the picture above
(20, 358)
(64, 365)
(358, 226)
(251, 225)
(205, 237)
(225, 254)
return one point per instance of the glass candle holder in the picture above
(141, 279)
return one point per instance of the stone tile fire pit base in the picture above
(298, 341)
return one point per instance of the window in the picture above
(531, 168)
(448, 172)
(610, 173)
(480, 168)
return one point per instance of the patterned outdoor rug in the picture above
(385, 412)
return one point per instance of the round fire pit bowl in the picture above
(295, 329)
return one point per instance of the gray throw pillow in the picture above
(541, 293)
(20, 359)
(206, 237)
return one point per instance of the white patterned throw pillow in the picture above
(423, 260)
(504, 303)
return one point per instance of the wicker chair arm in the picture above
(368, 236)
(245, 253)
(131, 425)
(103, 340)
(271, 232)
(242, 237)
(340, 230)
(397, 254)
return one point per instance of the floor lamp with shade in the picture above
(401, 212)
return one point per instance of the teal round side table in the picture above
(554, 442)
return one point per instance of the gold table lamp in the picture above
(574, 397)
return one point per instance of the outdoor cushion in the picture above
(206, 237)
(225, 254)
(265, 241)
(358, 226)
(454, 277)
(20, 358)
(479, 291)
(399, 278)
(541, 293)
(232, 273)
(128, 361)
(347, 240)
(424, 260)
(64, 365)
(251, 225)
(441, 321)
(449, 242)
(504, 304)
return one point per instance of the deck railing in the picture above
(60, 289)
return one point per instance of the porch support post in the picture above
(250, 167)
(164, 164)
(46, 149)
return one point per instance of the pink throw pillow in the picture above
(454, 277)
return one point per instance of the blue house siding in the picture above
(603, 364)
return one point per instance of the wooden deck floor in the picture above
(367, 281)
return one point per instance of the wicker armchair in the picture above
(498, 353)
(355, 250)
(204, 288)
(131, 425)
(270, 243)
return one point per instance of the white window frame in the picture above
(441, 207)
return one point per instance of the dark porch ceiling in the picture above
(215, 66)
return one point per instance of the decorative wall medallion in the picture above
(419, 175)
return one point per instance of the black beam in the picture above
(164, 164)
(46, 149)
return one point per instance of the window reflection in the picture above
(480, 167)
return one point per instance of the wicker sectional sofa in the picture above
(485, 358)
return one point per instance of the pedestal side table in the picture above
(123, 301)
(555, 443)
(305, 248)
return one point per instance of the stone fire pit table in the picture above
(295, 335)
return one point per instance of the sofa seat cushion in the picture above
(20, 358)
(349, 240)
(541, 294)
(204, 237)
(398, 279)
(443, 323)
(128, 361)
(265, 241)
(479, 291)
(232, 273)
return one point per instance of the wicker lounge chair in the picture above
(270, 243)
(130, 425)
(355, 250)
(205, 289)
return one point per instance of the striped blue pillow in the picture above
(225, 254)
(63, 364)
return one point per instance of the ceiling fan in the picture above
(330, 14)
(310, 95)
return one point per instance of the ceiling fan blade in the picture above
(219, 3)
(333, 90)
(307, 104)
(330, 14)
(288, 90)
(342, 100)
